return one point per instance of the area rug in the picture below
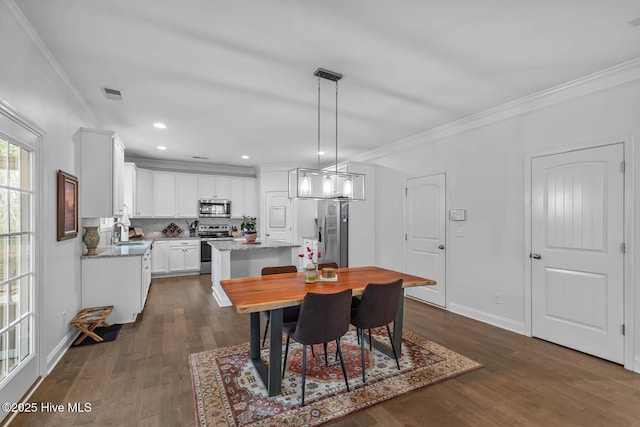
(229, 392)
(107, 334)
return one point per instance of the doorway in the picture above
(425, 237)
(20, 354)
(577, 252)
(278, 219)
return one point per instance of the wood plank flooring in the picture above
(142, 379)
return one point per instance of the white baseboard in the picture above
(490, 318)
(54, 357)
(636, 365)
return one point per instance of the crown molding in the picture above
(192, 167)
(14, 23)
(625, 74)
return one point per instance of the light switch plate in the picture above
(457, 215)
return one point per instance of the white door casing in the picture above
(425, 253)
(577, 266)
(277, 223)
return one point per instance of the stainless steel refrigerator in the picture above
(333, 231)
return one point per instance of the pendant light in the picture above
(305, 183)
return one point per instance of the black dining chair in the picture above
(377, 307)
(322, 318)
(290, 314)
(327, 265)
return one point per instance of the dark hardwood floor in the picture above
(142, 379)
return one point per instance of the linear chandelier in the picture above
(326, 184)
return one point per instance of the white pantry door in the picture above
(425, 238)
(577, 266)
(278, 223)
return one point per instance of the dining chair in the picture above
(322, 318)
(290, 314)
(377, 307)
(327, 265)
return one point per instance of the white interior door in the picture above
(425, 254)
(577, 261)
(278, 216)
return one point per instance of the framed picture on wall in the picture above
(67, 206)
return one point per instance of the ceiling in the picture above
(236, 77)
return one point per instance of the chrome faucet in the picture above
(116, 236)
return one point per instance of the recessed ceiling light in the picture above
(159, 125)
(320, 153)
(244, 156)
(161, 147)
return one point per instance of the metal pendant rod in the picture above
(318, 152)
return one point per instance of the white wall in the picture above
(485, 176)
(32, 87)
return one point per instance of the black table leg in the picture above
(270, 373)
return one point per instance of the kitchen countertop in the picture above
(138, 249)
(131, 250)
(243, 246)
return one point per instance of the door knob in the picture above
(441, 247)
(536, 256)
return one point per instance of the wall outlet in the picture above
(460, 233)
(64, 317)
(497, 298)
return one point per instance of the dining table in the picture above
(273, 293)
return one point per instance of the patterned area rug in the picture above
(229, 392)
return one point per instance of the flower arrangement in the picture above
(309, 254)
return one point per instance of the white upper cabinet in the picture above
(187, 195)
(164, 195)
(223, 187)
(144, 193)
(206, 187)
(243, 197)
(130, 177)
(102, 180)
(214, 187)
(160, 194)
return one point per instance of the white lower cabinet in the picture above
(160, 259)
(120, 281)
(176, 257)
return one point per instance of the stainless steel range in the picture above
(207, 233)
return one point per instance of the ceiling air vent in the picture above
(114, 94)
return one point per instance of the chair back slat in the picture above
(267, 271)
(327, 265)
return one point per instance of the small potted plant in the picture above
(249, 227)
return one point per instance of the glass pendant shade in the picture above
(325, 184)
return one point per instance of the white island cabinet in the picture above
(230, 260)
(119, 276)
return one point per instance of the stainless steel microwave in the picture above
(214, 208)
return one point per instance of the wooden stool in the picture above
(90, 318)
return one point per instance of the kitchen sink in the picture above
(132, 244)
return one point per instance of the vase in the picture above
(91, 238)
(310, 273)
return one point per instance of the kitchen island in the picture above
(231, 260)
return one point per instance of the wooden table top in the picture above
(261, 293)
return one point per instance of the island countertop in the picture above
(243, 246)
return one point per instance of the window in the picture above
(16, 257)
